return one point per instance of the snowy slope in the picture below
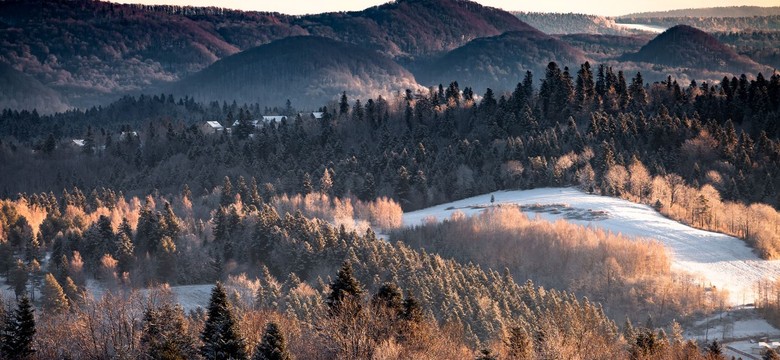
(720, 260)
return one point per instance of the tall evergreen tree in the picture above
(53, 295)
(17, 337)
(220, 336)
(273, 346)
(227, 193)
(344, 286)
(164, 334)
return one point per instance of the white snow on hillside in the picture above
(720, 260)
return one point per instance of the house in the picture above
(211, 127)
(271, 118)
(78, 143)
(318, 115)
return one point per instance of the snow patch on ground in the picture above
(720, 260)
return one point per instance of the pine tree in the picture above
(18, 278)
(227, 193)
(343, 104)
(326, 182)
(273, 346)
(715, 350)
(124, 253)
(164, 334)
(221, 339)
(389, 296)
(306, 186)
(344, 286)
(53, 295)
(17, 337)
(519, 345)
(72, 291)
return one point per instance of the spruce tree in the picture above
(164, 334)
(273, 346)
(221, 339)
(389, 296)
(345, 286)
(17, 337)
(53, 295)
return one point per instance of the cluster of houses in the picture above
(208, 128)
(214, 127)
(124, 136)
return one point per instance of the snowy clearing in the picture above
(719, 260)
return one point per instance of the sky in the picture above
(606, 7)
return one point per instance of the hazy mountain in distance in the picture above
(500, 62)
(687, 47)
(308, 70)
(21, 91)
(414, 28)
(90, 49)
(93, 51)
(570, 23)
(726, 11)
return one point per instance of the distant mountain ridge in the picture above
(725, 11)
(571, 23)
(95, 51)
(81, 53)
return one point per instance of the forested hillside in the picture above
(688, 47)
(496, 62)
(270, 159)
(722, 12)
(561, 24)
(93, 51)
(761, 22)
(174, 205)
(312, 70)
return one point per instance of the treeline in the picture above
(713, 24)
(571, 23)
(345, 320)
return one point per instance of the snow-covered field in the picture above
(642, 27)
(719, 260)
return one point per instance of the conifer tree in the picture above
(164, 334)
(389, 296)
(53, 295)
(19, 330)
(519, 345)
(344, 286)
(273, 346)
(72, 291)
(220, 336)
(227, 193)
(326, 182)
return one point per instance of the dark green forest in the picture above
(147, 199)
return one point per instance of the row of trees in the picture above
(345, 321)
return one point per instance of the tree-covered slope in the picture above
(688, 47)
(308, 70)
(500, 62)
